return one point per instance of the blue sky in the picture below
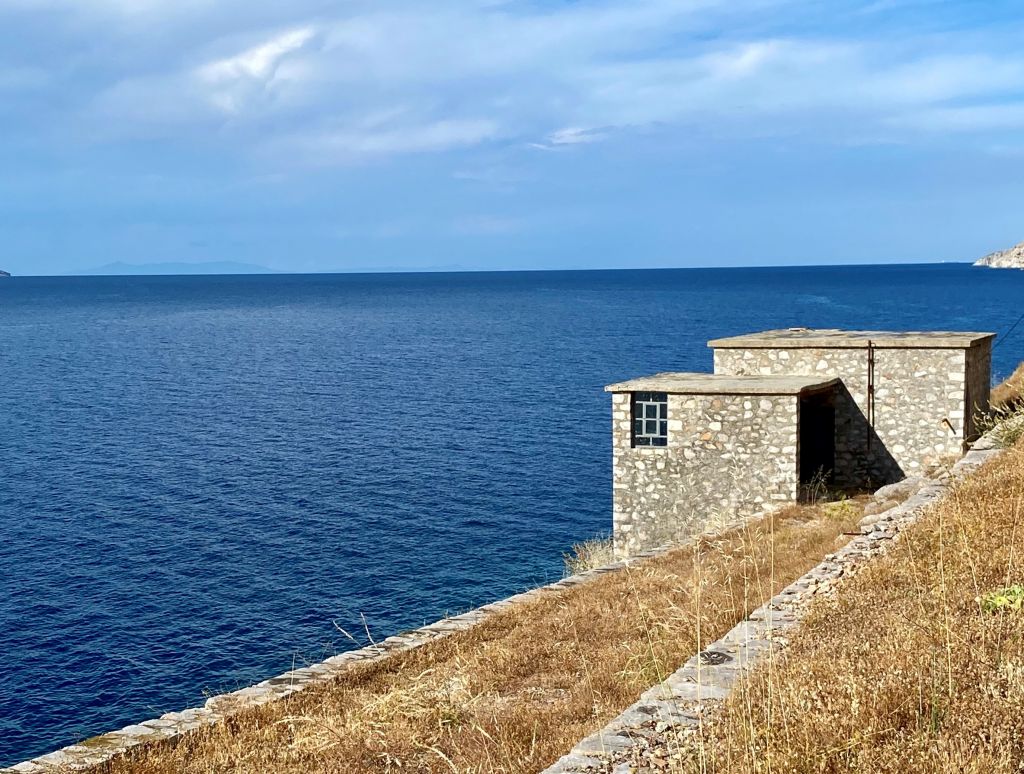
(321, 135)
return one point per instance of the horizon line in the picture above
(91, 274)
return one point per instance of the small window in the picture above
(650, 419)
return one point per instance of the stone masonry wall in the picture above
(727, 456)
(979, 386)
(919, 404)
(683, 705)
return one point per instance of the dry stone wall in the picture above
(650, 729)
(727, 456)
(920, 412)
(92, 754)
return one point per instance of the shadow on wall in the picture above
(839, 449)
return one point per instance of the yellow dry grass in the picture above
(518, 691)
(1011, 391)
(903, 670)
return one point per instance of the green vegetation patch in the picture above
(1010, 598)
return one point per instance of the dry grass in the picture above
(588, 555)
(1011, 391)
(1005, 418)
(908, 668)
(519, 690)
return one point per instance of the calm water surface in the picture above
(201, 476)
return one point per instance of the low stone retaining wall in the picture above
(676, 703)
(99, 749)
(709, 677)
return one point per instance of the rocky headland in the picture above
(1006, 259)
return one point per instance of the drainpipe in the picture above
(871, 391)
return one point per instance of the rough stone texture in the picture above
(832, 338)
(878, 505)
(924, 400)
(1004, 259)
(901, 490)
(904, 405)
(728, 456)
(641, 738)
(690, 383)
(979, 387)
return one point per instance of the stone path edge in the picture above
(708, 677)
(98, 750)
(676, 701)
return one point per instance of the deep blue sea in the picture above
(200, 477)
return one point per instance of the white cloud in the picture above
(574, 135)
(393, 76)
(382, 137)
(791, 84)
(106, 7)
(744, 60)
(972, 118)
(232, 80)
(258, 61)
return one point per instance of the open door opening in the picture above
(817, 443)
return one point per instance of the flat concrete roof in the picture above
(721, 384)
(795, 338)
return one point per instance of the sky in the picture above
(339, 135)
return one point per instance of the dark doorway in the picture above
(817, 441)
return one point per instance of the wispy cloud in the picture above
(381, 137)
(571, 135)
(378, 79)
(233, 79)
(969, 118)
(399, 131)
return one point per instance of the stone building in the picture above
(785, 411)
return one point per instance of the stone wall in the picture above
(681, 704)
(727, 456)
(979, 387)
(919, 407)
(93, 754)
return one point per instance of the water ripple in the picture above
(201, 475)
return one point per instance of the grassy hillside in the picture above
(516, 692)
(916, 665)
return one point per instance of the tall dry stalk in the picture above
(902, 670)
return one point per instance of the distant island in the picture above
(1006, 259)
(153, 269)
(4, 273)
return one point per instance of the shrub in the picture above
(1004, 424)
(589, 554)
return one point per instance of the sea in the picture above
(206, 481)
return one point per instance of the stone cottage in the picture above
(785, 411)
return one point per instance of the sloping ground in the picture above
(516, 692)
(1009, 394)
(915, 665)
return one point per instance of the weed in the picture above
(1004, 424)
(589, 554)
(1011, 598)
